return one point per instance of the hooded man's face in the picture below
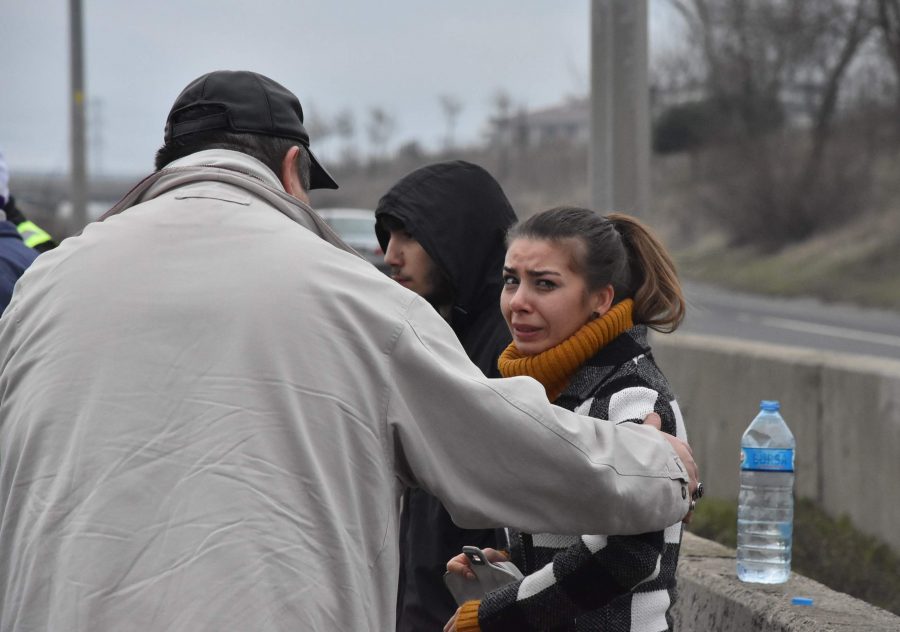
(410, 265)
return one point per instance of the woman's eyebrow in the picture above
(538, 273)
(533, 273)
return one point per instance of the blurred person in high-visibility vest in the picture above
(15, 255)
(33, 235)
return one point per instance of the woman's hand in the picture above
(450, 626)
(460, 565)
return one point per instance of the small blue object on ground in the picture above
(801, 601)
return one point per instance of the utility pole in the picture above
(95, 141)
(78, 155)
(619, 165)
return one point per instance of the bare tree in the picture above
(889, 24)
(451, 107)
(380, 128)
(345, 128)
(775, 69)
(345, 124)
(500, 125)
(318, 127)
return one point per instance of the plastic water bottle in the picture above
(766, 501)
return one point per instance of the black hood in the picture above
(460, 215)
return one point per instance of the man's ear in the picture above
(289, 176)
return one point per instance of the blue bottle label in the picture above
(767, 459)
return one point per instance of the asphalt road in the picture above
(800, 322)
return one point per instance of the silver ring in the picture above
(698, 493)
(693, 505)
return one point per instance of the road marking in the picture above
(824, 330)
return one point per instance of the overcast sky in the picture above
(400, 55)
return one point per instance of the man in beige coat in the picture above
(209, 407)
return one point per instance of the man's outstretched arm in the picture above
(497, 453)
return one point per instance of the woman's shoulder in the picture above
(627, 356)
(625, 379)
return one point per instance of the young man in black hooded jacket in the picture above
(442, 228)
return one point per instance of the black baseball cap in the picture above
(243, 101)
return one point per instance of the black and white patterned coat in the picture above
(598, 582)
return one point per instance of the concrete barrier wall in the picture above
(844, 411)
(712, 599)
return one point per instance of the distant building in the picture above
(568, 122)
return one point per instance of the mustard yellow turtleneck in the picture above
(555, 367)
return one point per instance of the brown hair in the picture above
(619, 250)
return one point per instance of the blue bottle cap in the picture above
(770, 405)
(802, 601)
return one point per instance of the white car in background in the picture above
(356, 226)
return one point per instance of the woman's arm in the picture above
(584, 577)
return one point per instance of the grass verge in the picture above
(845, 267)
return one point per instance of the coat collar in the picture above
(229, 168)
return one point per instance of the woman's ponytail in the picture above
(658, 299)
